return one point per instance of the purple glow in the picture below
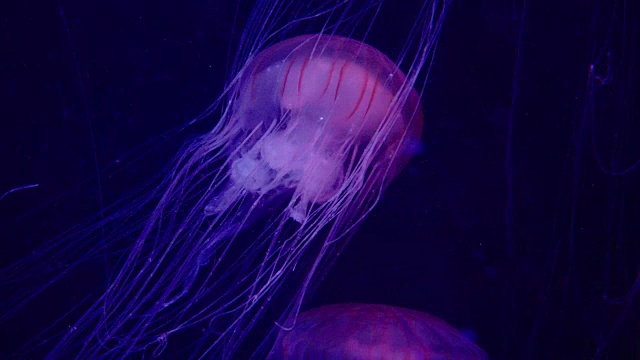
(312, 130)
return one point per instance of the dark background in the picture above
(517, 224)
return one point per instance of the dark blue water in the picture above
(518, 222)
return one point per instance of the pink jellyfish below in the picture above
(365, 331)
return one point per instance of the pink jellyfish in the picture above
(313, 130)
(365, 331)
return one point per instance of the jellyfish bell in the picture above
(317, 111)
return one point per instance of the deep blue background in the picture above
(86, 87)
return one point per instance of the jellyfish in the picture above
(223, 251)
(369, 331)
